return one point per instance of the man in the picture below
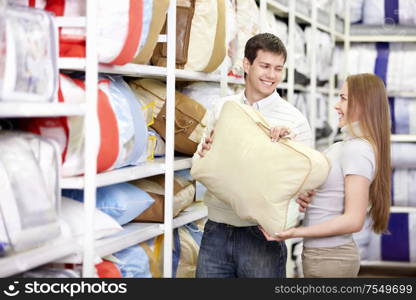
(232, 247)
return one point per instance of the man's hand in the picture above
(305, 199)
(206, 145)
(278, 132)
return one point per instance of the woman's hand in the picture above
(305, 199)
(287, 234)
(278, 132)
(280, 236)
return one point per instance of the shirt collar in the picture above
(263, 102)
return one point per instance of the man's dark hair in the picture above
(266, 42)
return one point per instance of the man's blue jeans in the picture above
(229, 251)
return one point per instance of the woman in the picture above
(359, 180)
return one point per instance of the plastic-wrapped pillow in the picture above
(231, 36)
(121, 123)
(154, 252)
(107, 269)
(220, 41)
(147, 104)
(325, 48)
(119, 29)
(187, 240)
(50, 272)
(199, 188)
(190, 116)
(4, 240)
(133, 262)
(247, 19)
(122, 201)
(362, 58)
(401, 66)
(184, 195)
(301, 103)
(132, 129)
(73, 214)
(402, 155)
(399, 244)
(29, 202)
(403, 188)
(277, 27)
(301, 63)
(28, 63)
(356, 10)
(362, 238)
(156, 145)
(205, 93)
(208, 25)
(68, 132)
(379, 12)
(184, 17)
(31, 3)
(402, 115)
(159, 10)
(202, 35)
(147, 20)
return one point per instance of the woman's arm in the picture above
(356, 202)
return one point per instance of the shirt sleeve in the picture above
(358, 158)
(303, 133)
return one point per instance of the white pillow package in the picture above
(400, 242)
(206, 93)
(30, 60)
(29, 202)
(402, 155)
(132, 129)
(73, 215)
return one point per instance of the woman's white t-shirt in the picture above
(353, 156)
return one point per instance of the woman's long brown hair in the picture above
(367, 95)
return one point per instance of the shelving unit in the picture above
(148, 71)
(23, 261)
(53, 109)
(303, 15)
(60, 247)
(385, 33)
(405, 138)
(402, 94)
(135, 233)
(402, 209)
(149, 168)
(370, 263)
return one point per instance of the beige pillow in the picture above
(184, 195)
(160, 8)
(202, 37)
(254, 175)
(219, 48)
(190, 116)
